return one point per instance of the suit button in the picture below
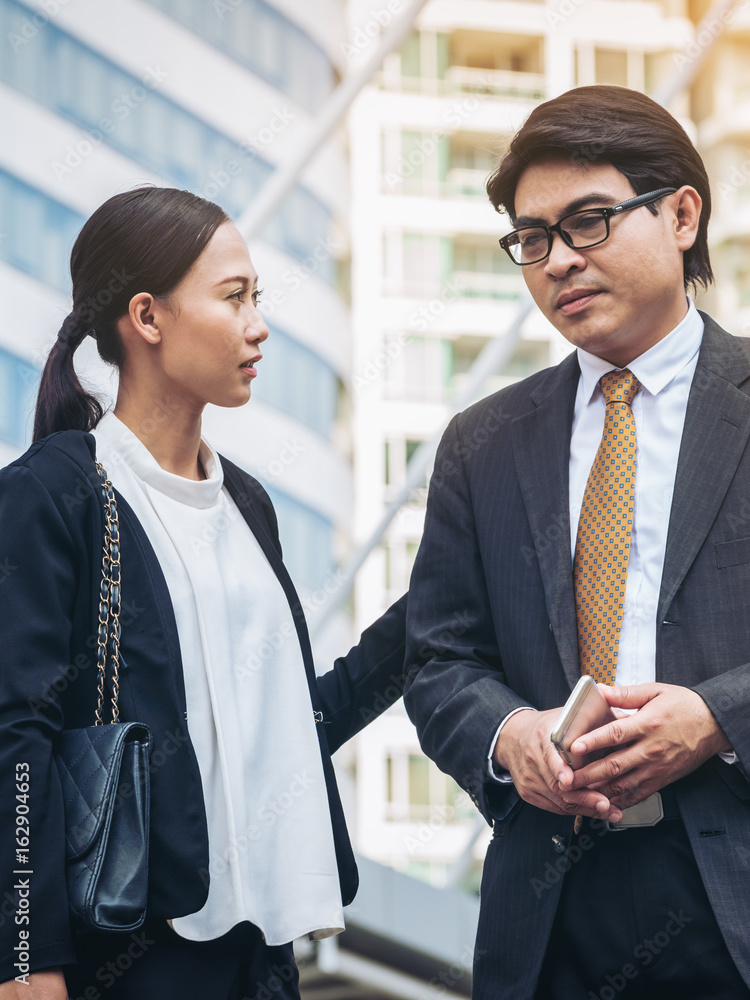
(558, 843)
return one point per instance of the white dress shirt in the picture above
(665, 372)
(272, 858)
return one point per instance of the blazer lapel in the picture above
(244, 500)
(717, 428)
(541, 442)
(243, 495)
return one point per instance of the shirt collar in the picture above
(656, 367)
(125, 447)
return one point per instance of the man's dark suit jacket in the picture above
(491, 626)
(51, 533)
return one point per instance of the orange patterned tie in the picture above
(604, 528)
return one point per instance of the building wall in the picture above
(720, 102)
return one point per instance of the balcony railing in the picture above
(496, 82)
(465, 181)
(479, 285)
(460, 182)
(461, 284)
(470, 80)
(431, 393)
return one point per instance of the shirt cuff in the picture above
(503, 777)
(729, 758)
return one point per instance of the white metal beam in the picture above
(280, 183)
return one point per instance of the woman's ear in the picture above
(142, 318)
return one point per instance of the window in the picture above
(418, 791)
(399, 453)
(481, 272)
(299, 382)
(420, 372)
(306, 539)
(18, 387)
(528, 356)
(261, 39)
(611, 67)
(78, 83)
(427, 262)
(37, 232)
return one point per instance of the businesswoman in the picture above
(248, 845)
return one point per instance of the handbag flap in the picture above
(89, 761)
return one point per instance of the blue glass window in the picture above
(36, 233)
(19, 381)
(262, 40)
(306, 539)
(294, 379)
(138, 121)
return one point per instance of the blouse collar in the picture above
(123, 446)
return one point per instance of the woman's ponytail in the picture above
(63, 403)
(145, 240)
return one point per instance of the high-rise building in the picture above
(720, 107)
(98, 98)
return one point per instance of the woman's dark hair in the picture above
(603, 124)
(145, 240)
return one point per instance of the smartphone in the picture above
(585, 709)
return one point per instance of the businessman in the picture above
(595, 519)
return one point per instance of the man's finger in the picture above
(614, 734)
(587, 801)
(614, 767)
(558, 767)
(635, 696)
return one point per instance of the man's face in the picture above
(617, 299)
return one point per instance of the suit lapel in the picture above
(541, 442)
(249, 508)
(717, 428)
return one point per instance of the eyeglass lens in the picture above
(582, 230)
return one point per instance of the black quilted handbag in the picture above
(104, 775)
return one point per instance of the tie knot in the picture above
(619, 386)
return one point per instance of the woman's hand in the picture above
(49, 984)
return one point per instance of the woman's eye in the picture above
(238, 295)
(257, 296)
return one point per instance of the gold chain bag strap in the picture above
(104, 773)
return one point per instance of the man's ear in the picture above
(687, 208)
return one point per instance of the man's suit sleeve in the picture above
(456, 693)
(367, 680)
(728, 697)
(37, 595)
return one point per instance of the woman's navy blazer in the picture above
(51, 535)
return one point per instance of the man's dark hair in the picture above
(603, 124)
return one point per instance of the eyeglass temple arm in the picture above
(642, 199)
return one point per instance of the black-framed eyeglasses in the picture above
(580, 230)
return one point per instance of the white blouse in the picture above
(271, 848)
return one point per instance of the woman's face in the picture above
(212, 331)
